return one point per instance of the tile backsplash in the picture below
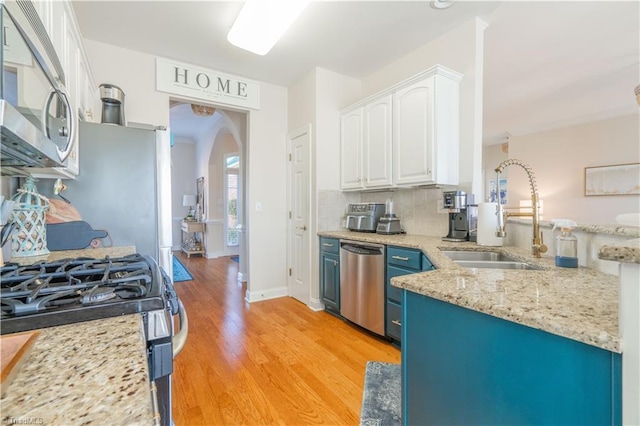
(332, 207)
(417, 209)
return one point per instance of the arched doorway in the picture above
(216, 135)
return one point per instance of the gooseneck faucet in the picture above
(537, 245)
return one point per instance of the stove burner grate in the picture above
(61, 284)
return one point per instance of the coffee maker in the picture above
(462, 216)
(112, 98)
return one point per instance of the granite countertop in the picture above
(579, 304)
(614, 230)
(98, 253)
(76, 375)
(625, 251)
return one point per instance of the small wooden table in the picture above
(192, 237)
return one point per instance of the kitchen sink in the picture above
(486, 259)
(478, 256)
(488, 264)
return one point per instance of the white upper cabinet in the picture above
(351, 149)
(409, 134)
(59, 21)
(377, 143)
(87, 92)
(426, 132)
(366, 146)
(413, 134)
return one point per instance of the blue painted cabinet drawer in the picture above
(329, 245)
(406, 258)
(395, 293)
(394, 320)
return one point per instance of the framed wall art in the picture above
(494, 187)
(617, 179)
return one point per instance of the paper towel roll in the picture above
(487, 225)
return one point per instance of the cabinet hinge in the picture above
(290, 272)
(289, 157)
(289, 215)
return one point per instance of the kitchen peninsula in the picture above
(522, 341)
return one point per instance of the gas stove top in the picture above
(66, 291)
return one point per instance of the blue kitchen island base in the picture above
(462, 367)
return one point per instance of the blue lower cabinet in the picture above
(393, 325)
(462, 367)
(330, 274)
(400, 261)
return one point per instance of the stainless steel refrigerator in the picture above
(124, 187)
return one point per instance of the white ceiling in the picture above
(546, 65)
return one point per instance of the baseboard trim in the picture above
(214, 254)
(315, 304)
(259, 295)
(242, 278)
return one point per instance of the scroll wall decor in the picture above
(200, 199)
(618, 179)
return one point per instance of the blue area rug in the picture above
(234, 258)
(180, 273)
(381, 399)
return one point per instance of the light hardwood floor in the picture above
(270, 362)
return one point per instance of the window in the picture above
(232, 166)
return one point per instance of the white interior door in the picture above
(299, 223)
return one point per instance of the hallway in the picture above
(270, 362)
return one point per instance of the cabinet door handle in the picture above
(327, 245)
(404, 259)
(302, 228)
(396, 322)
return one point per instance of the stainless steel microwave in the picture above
(37, 120)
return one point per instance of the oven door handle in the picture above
(180, 338)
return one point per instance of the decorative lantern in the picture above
(29, 215)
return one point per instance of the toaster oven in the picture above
(364, 217)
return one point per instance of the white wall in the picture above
(183, 181)
(558, 158)
(333, 92)
(302, 102)
(135, 72)
(266, 174)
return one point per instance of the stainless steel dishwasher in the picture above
(362, 284)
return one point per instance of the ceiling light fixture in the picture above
(202, 110)
(261, 23)
(441, 4)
